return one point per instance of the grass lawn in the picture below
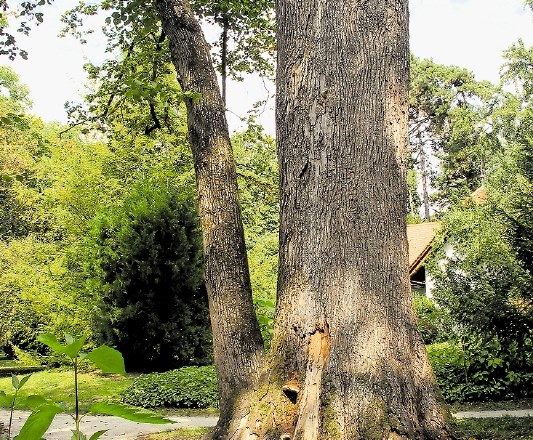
(58, 386)
(504, 428)
(178, 434)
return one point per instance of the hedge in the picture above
(188, 387)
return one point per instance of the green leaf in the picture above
(107, 359)
(38, 423)
(6, 399)
(51, 341)
(97, 434)
(36, 401)
(78, 435)
(23, 381)
(129, 413)
(194, 96)
(15, 381)
(72, 349)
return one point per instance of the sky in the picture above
(465, 33)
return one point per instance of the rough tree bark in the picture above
(347, 360)
(237, 343)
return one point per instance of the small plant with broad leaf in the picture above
(10, 400)
(106, 359)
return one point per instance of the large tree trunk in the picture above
(237, 343)
(347, 360)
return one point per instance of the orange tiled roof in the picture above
(420, 236)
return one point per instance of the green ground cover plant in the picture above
(188, 387)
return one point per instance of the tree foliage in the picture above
(144, 71)
(257, 174)
(28, 14)
(246, 43)
(44, 203)
(486, 291)
(487, 282)
(51, 188)
(447, 126)
(62, 182)
(147, 260)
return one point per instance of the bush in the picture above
(433, 322)
(499, 368)
(19, 324)
(448, 362)
(188, 387)
(146, 267)
(481, 370)
(486, 288)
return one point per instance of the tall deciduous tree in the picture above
(139, 32)
(447, 123)
(237, 343)
(346, 360)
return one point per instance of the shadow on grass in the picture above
(178, 434)
(503, 428)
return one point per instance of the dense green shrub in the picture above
(19, 326)
(498, 368)
(480, 370)
(486, 288)
(433, 322)
(188, 387)
(448, 362)
(147, 272)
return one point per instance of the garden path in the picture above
(118, 428)
(493, 414)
